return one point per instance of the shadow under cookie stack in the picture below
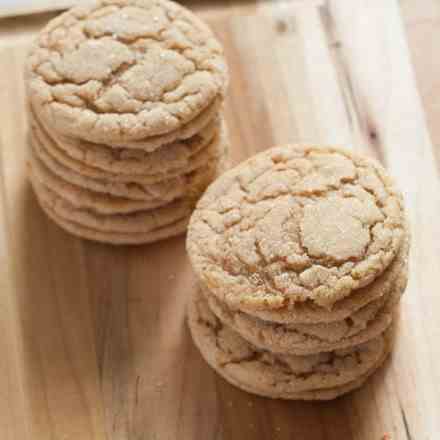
(301, 258)
(125, 105)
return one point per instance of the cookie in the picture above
(129, 185)
(137, 222)
(310, 313)
(153, 143)
(124, 70)
(166, 159)
(168, 189)
(81, 197)
(107, 204)
(303, 339)
(114, 238)
(295, 224)
(276, 375)
(317, 394)
(165, 189)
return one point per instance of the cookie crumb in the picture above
(281, 26)
(159, 386)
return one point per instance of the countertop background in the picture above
(92, 338)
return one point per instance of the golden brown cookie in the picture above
(119, 238)
(163, 187)
(185, 133)
(103, 203)
(296, 224)
(167, 159)
(124, 70)
(167, 189)
(320, 376)
(74, 213)
(310, 313)
(135, 222)
(120, 184)
(303, 339)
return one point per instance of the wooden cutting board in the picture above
(93, 339)
(10, 8)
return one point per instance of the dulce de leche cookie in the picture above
(319, 376)
(295, 224)
(124, 70)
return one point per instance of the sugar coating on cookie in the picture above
(395, 276)
(295, 224)
(124, 70)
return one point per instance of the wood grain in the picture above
(93, 339)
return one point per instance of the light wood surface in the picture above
(11, 8)
(93, 339)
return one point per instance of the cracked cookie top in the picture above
(295, 224)
(124, 70)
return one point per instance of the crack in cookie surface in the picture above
(293, 225)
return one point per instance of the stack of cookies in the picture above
(125, 100)
(301, 259)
